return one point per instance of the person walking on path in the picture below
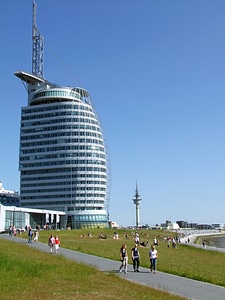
(36, 234)
(123, 258)
(30, 235)
(10, 230)
(135, 258)
(51, 242)
(57, 244)
(204, 244)
(153, 255)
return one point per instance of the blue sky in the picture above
(156, 74)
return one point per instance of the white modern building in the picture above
(219, 226)
(9, 198)
(21, 218)
(63, 160)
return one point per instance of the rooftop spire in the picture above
(37, 47)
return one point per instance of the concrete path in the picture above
(188, 288)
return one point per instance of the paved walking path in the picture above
(188, 288)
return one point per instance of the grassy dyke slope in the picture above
(27, 273)
(186, 261)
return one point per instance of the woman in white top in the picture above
(153, 255)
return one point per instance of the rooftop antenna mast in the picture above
(37, 48)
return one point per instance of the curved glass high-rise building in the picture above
(62, 161)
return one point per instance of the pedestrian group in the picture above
(54, 243)
(135, 255)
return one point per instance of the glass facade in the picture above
(15, 218)
(63, 159)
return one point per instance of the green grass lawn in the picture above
(27, 273)
(186, 261)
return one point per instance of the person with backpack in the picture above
(135, 258)
(123, 258)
